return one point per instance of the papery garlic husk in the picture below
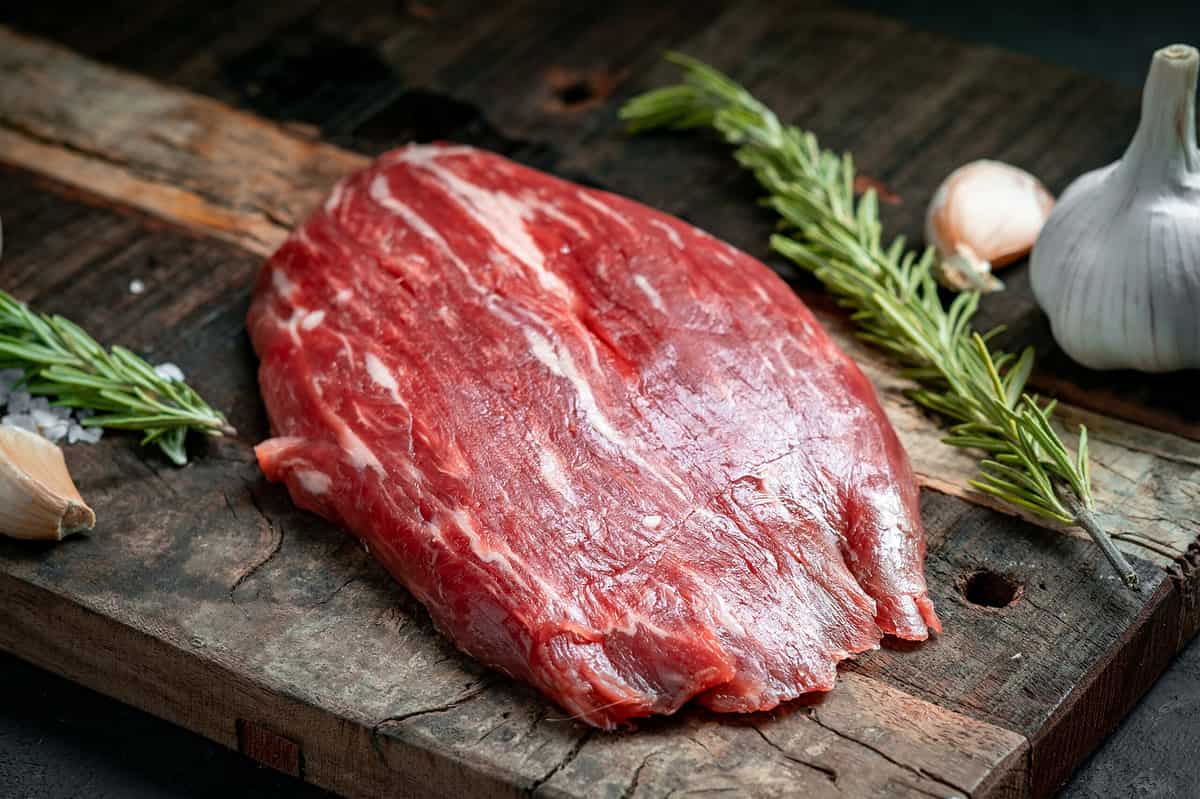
(38, 499)
(984, 215)
(1117, 267)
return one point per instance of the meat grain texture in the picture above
(613, 456)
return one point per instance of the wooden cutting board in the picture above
(205, 598)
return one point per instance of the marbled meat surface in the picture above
(613, 456)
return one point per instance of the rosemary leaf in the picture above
(893, 298)
(63, 362)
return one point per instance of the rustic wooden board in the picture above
(223, 609)
(911, 106)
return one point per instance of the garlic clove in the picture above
(984, 215)
(38, 499)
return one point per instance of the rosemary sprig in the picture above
(61, 361)
(893, 299)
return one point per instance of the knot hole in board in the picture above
(989, 589)
(577, 90)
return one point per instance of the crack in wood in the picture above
(825, 771)
(278, 531)
(336, 591)
(567, 759)
(377, 729)
(920, 772)
(228, 504)
(477, 689)
(632, 787)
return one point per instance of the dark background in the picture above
(58, 740)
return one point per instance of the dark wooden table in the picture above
(356, 75)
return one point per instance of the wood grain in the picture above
(491, 76)
(205, 597)
(212, 563)
(249, 181)
(216, 581)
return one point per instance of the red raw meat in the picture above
(612, 455)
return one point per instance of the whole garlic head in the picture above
(1117, 267)
(985, 215)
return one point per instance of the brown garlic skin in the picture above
(984, 215)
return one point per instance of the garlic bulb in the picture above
(1117, 267)
(38, 499)
(985, 215)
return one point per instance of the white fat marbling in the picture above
(314, 482)
(379, 373)
(647, 288)
(596, 205)
(280, 283)
(503, 215)
(360, 455)
(670, 232)
(562, 365)
(554, 474)
(312, 320)
(335, 197)
(382, 194)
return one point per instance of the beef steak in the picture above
(612, 455)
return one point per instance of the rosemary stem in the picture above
(1085, 518)
(894, 299)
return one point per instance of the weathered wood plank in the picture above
(832, 748)
(852, 77)
(252, 181)
(425, 726)
(1067, 658)
(214, 555)
(862, 82)
(207, 598)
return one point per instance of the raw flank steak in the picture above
(613, 456)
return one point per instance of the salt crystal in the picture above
(44, 417)
(21, 421)
(77, 433)
(91, 435)
(20, 401)
(169, 371)
(61, 412)
(136, 286)
(40, 404)
(84, 413)
(55, 432)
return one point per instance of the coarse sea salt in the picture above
(24, 411)
(20, 401)
(169, 371)
(88, 435)
(21, 421)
